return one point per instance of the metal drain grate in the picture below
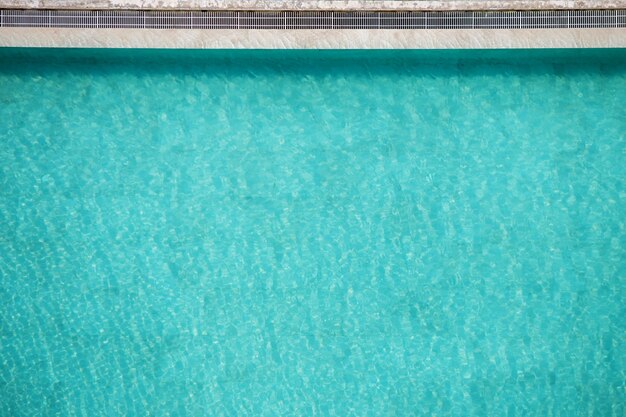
(312, 20)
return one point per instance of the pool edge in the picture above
(314, 39)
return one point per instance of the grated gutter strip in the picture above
(148, 19)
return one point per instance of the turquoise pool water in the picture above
(312, 233)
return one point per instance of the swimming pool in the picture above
(312, 233)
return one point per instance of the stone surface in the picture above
(314, 39)
(317, 4)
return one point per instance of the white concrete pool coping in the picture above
(338, 5)
(314, 39)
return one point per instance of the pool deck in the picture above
(380, 5)
(336, 38)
